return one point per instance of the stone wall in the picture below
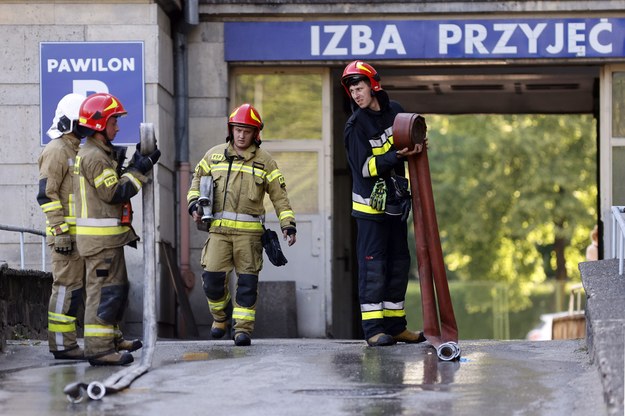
(24, 296)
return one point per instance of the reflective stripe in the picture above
(369, 169)
(390, 313)
(69, 327)
(238, 225)
(287, 214)
(381, 145)
(83, 196)
(102, 230)
(61, 323)
(204, 165)
(273, 175)
(51, 206)
(244, 314)
(99, 330)
(98, 222)
(63, 226)
(239, 167)
(72, 229)
(365, 208)
(372, 315)
(58, 322)
(191, 195)
(108, 177)
(393, 305)
(237, 221)
(228, 215)
(367, 307)
(135, 182)
(71, 208)
(220, 305)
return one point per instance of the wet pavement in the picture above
(313, 376)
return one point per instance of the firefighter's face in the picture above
(361, 94)
(242, 137)
(111, 128)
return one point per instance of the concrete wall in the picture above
(23, 25)
(24, 298)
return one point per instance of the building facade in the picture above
(190, 62)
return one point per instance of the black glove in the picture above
(63, 243)
(271, 244)
(142, 163)
(405, 209)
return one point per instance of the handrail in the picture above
(618, 235)
(22, 230)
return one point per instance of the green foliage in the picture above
(480, 312)
(289, 104)
(515, 196)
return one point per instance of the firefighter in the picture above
(378, 174)
(56, 200)
(103, 226)
(242, 174)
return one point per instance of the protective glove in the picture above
(378, 195)
(405, 209)
(63, 243)
(142, 163)
(271, 244)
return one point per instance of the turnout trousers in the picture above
(221, 254)
(383, 267)
(107, 297)
(66, 300)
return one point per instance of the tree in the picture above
(515, 196)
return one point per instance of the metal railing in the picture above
(618, 235)
(29, 231)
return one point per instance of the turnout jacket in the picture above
(368, 140)
(100, 195)
(56, 189)
(239, 187)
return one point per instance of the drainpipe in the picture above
(181, 28)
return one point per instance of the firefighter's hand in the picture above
(405, 152)
(144, 164)
(290, 235)
(197, 217)
(63, 243)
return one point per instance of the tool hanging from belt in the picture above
(409, 129)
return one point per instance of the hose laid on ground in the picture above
(409, 129)
(120, 380)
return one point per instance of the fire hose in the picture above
(122, 379)
(410, 129)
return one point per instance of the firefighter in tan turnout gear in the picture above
(103, 227)
(56, 199)
(242, 174)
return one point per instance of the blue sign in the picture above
(90, 67)
(425, 39)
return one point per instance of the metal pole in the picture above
(22, 250)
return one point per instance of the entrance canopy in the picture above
(493, 89)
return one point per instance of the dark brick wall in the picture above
(24, 296)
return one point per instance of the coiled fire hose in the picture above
(410, 129)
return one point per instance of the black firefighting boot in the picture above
(113, 358)
(242, 339)
(73, 354)
(122, 344)
(410, 337)
(219, 329)
(380, 340)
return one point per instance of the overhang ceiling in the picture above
(503, 90)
